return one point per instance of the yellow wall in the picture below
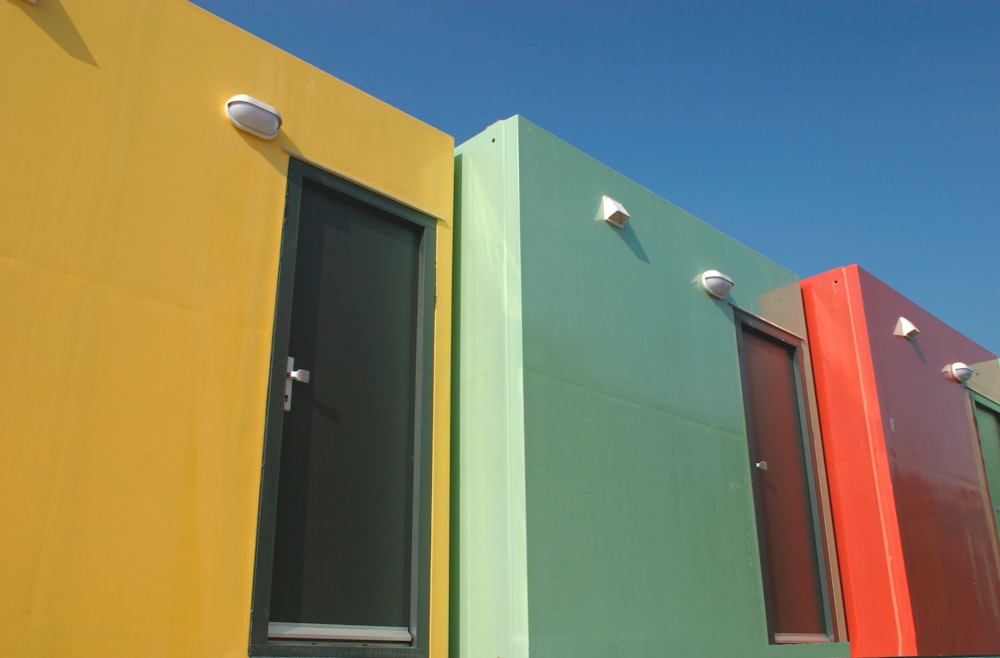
(139, 238)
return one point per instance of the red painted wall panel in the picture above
(944, 515)
(917, 544)
(876, 597)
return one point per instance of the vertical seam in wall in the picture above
(871, 454)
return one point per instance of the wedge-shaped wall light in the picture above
(253, 116)
(613, 212)
(716, 284)
(957, 371)
(905, 328)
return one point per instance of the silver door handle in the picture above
(762, 465)
(293, 375)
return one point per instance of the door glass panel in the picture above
(343, 539)
(787, 529)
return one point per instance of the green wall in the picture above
(602, 500)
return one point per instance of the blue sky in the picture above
(820, 133)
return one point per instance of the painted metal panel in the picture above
(612, 384)
(138, 254)
(876, 598)
(922, 561)
(942, 508)
(490, 600)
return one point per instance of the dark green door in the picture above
(348, 423)
(988, 424)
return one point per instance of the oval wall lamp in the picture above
(253, 116)
(716, 284)
(958, 371)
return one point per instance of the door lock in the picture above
(293, 375)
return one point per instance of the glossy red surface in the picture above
(944, 516)
(918, 551)
(873, 577)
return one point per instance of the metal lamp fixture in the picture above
(613, 212)
(253, 116)
(905, 329)
(958, 371)
(716, 284)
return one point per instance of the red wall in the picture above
(915, 532)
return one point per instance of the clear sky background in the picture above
(819, 133)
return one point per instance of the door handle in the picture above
(293, 375)
(761, 465)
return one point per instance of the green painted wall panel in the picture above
(636, 518)
(603, 470)
(489, 591)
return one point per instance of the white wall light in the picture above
(253, 116)
(613, 212)
(716, 284)
(905, 328)
(958, 371)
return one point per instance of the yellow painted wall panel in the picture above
(139, 241)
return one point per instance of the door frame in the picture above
(299, 173)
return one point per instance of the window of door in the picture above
(784, 474)
(343, 537)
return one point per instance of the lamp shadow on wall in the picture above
(915, 345)
(276, 151)
(53, 19)
(629, 237)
